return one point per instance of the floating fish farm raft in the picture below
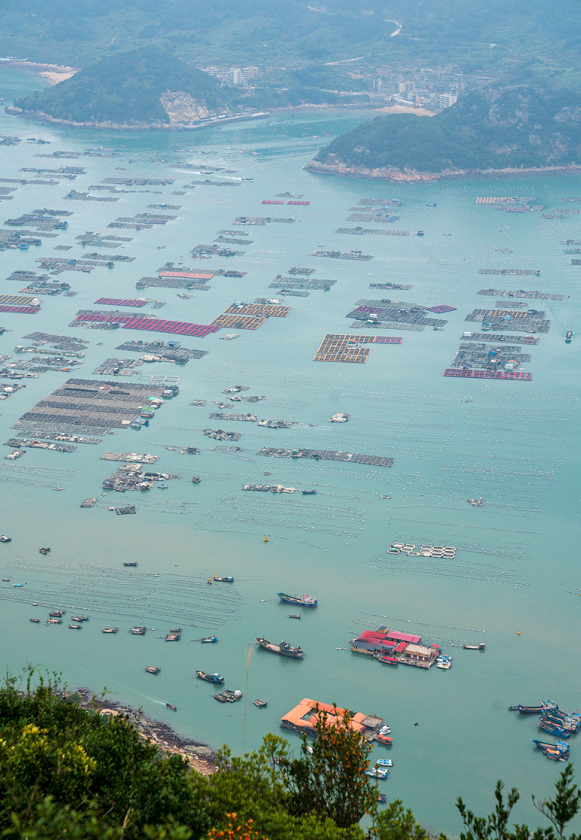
(238, 322)
(489, 357)
(345, 348)
(517, 272)
(340, 255)
(489, 374)
(130, 457)
(269, 310)
(304, 716)
(498, 337)
(132, 322)
(520, 293)
(92, 403)
(137, 302)
(509, 319)
(326, 455)
(393, 647)
(359, 231)
(162, 352)
(413, 314)
(292, 283)
(22, 310)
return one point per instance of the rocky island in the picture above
(137, 89)
(530, 124)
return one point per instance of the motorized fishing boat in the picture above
(79, 618)
(553, 728)
(293, 615)
(133, 564)
(226, 579)
(110, 630)
(283, 649)
(302, 601)
(213, 678)
(261, 704)
(384, 762)
(196, 479)
(6, 539)
(152, 669)
(6, 580)
(75, 626)
(568, 336)
(54, 621)
(57, 613)
(228, 696)
(569, 722)
(35, 620)
(546, 745)
(138, 631)
(534, 710)
(44, 550)
(172, 707)
(480, 646)
(209, 639)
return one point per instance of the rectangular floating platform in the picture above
(238, 322)
(300, 203)
(326, 455)
(489, 374)
(519, 321)
(346, 349)
(518, 272)
(131, 322)
(441, 308)
(499, 337)
(188, 275)
(16, 300)
(270, 310)
(137, 302)
(22, 310)
(270, 201)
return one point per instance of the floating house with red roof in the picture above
(392, 647)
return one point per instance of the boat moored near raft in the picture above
(228, 696)
(213, 678)
(261, 704)
(302, 601)
(283, 649)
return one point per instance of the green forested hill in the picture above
(263, 31)
(533, 120)
(128, 88)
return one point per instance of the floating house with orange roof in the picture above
(303, 718)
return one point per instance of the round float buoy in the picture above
(518, 633)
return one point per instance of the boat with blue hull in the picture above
(212, 678)
(554, 729)
(534, 710)
(302, 601)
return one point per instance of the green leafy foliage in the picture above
(127, 88)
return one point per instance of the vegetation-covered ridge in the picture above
(146, 86)
(531, 121)
(66, 771)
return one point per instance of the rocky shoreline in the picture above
(199, 756)
(398, 176)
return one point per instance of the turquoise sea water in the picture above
(514, 443)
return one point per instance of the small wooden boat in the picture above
(227, 579)
(44, 550)
(209, 640)
(6, 580)
(479, 646)
(174, 635)
(75, 626)
(172, 707)
(35, 620)
(152, 669)
(261, 704)
(213, 678)
(138, 631)
(382, 798)
(57, 613)
(196, 479)
(292, 615)
(54, 621)
(79, 618)
(131, 564)
(110, 630)
(5, 539)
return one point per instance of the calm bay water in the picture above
(514, 443)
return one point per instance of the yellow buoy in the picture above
(265, 539)
(518, 633)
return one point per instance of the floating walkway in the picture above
(489, 374)
(517, 272)
(135, 302)
(131, 322)
(520, 293)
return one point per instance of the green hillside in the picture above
(260, 32)
(127, 88)
(532, 121)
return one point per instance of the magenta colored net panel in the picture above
(173, 327)
(122, 302)
(489, 374)
(441, 308)
(23, 310)
(387, 339)
(110, 319)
